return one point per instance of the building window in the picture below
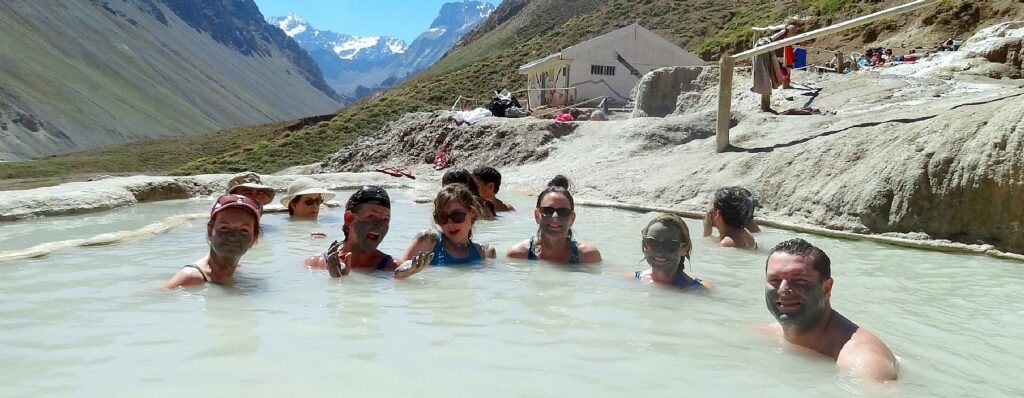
(602, 70)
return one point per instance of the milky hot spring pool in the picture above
(91, 321)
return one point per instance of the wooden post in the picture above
(724, 102)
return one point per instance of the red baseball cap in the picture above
(229, 201)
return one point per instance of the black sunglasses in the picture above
(455, 217)
(661, 245)
(317, 201)
(550, 211)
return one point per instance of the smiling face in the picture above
(664, 247)
(367, 226)
(232, 232)
(306, 206)
(793, 292)
(456, 232)
(554, 216)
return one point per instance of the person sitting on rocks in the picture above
(798, 289)
(729, 211)
(249, 184)
(304, 197)
(555, 215)
(463, 176)
(488, 183)
(455, 212)
(367, 220)
(234, 227)
(666, 245)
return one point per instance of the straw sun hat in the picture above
(306, 186)
(249, 180)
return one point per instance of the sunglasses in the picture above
(661, 245)
(317, 201)
(551, 211)
(455, 217)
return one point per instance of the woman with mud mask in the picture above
(463, 176)
(729, 212)
(455, 211)
(367, 220)
(555, 214)
(233, 228)
(666, 245)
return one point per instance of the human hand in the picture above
(336, 265)
(707, 224)
(416, 264)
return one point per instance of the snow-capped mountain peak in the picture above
(291, 25)
(358, 65)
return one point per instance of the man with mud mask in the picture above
(366, 222)
(233, 228)
(798, 286)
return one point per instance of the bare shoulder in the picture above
(519, 250)
(423, 241)
(186, 276)
(727, 242)
(867, 355)
(589, 253)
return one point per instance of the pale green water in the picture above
(92, 322)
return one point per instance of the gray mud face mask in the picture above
(563, 230)
(806, 316)
(232, 242)
(362, 228)
(673, 257)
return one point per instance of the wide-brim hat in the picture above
(306, 186)
(249, 180)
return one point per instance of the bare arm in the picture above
(424, 241)
(520, 250)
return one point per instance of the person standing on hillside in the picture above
(489, 183)
(798, 287)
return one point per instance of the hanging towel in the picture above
(767, 73)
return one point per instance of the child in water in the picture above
(455, 211)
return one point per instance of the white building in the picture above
(608, 65)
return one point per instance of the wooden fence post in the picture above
(724, 102)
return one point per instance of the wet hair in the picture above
(673, 220)
(291, 210)
(457, 192)
(461, 176)
(559, 185)
(799, 247)
(367, 195)
(736, 205)
(489, 175)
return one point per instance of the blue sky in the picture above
(404, 19)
